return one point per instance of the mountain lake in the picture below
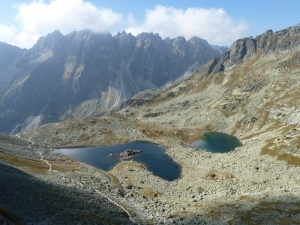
(153, 156)
(217, 142)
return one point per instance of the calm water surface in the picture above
(152, 156)
(217, 142)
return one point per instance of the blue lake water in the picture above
(217, 142)
(152, 156)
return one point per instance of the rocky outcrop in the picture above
(268, 42)
(128, 153)
(220, 49)
(85, 73)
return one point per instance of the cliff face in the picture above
(9, 55)
(268, 42)
(84, 73)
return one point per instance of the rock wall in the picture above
(85, 73)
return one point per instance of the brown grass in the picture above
(211, 175)
(266, 150)
(186, 135)
(93, 217)
(244, 197)
(114, 179)
(289, 159)
(237, 126)
(276, 126)
(219, 78)
(271, 149)
(39, 166)
(202, 85)
(83, 123)
(233, 78)
(267, 209)
(150, 193)
(166, 96)
(186, 90)
(34, 166)
(85, 137)
(107, 137)
(125, 164)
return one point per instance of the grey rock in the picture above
(85, 73)
(284, 40)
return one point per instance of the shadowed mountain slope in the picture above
(84, 73)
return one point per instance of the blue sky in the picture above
(220, 22)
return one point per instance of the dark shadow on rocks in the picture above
(25, 199)
(285, 210)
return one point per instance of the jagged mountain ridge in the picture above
(251, 87)
(84, 73)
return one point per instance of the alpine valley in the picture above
(110, 97)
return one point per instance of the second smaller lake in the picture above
(218, 142)
(153, 156)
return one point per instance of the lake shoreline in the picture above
(152, 155)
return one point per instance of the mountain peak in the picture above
(50, 40)
(149, 35)
(56, 33)
(84, 73)
(268, 42)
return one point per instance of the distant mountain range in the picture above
(85, 73)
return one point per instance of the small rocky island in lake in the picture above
(127, 154)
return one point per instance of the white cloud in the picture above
(214, 25)
(7, 33)
(38, 18)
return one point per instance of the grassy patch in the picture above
(219, 78)
(237, 126)
(185, 90)
(203, 84)
(267, 150)
(107, 137)
(185, 135)
(90, 217)
(150, 193)
(34, 166)
(38, 166)
(271, 149)
(85, 138)
(233, 78)
(276, 126)
(274, 212)
(289, 159)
